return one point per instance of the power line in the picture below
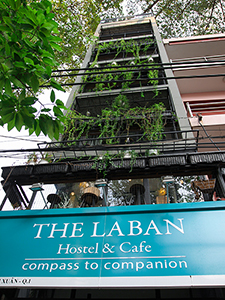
(134, 69)
(20, 138)
(191, 63)
(143, 79)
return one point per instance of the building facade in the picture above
(201, 60)
(135, 185)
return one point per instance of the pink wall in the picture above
(210, 96)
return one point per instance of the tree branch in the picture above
(151, 6)
(211, 15)
(182, 11)
(222, 10)
(167, 3)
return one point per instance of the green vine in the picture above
(117, 120)
(116, 123)
(102, 163)
(132, 49)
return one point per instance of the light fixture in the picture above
(162, 191)
(101, 182)
(36, 187)
(104, 184)
(167, 180)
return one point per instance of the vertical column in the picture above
(173, 88)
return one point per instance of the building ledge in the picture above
(210, 120)
(143, 167)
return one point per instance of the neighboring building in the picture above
(204, 96)
(127, 163)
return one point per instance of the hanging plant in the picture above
(117, 120)
(109, 77)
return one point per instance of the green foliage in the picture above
(35, 158)
(103, 162)
(179, 18)
(78, 21)
(27, 42)
(128, 73)
(117, 120)
(184, 189)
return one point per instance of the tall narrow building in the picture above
(127, 207)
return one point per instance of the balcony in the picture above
(153, 179)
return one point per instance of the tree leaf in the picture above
(7, 118)
(19, 122)
(48, 61)
(37, 127)
(7, 110)
(51, 129)
(46, 109)
(34, 83)
(56, 47)
(20, 64)
(31, 130)
(43, 124)
(31, 109)
(56, 85)
(2, 83)
(16, 82)
(52, 96)
(8, 88)
(17, 4)
(5, 28)
(29, 101)
(8, 21)
(60, 103)
(28, 120)
(28, 61)
(5, 68)
(7, 49)
(11, 124)
(56, 129)
(57, 112)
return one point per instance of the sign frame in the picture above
(150, 246)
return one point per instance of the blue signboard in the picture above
(150, 245)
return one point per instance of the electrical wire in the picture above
(203, 127)
(133, 70)
(17, 152)
(20, 138)
(205, 63)
(142, 79)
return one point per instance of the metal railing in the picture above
(170, 141)
(125, 18)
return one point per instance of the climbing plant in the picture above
(113, 126)
(138, 66)
(117, 120)
(128, 48)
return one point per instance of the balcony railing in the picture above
(29, 186)
(179, 141)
